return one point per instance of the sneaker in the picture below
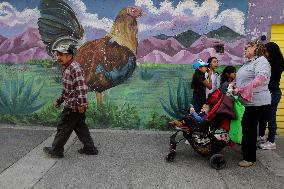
(268, 146)
(51, 153)
(262, 139)
(186, 142)
(245, 163)
(86, 151)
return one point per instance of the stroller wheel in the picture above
(171, 156)
(217, 161)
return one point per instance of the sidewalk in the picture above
(127, 159)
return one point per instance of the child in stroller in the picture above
(189, 118)
(210, 136)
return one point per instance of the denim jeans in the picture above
(271, 118)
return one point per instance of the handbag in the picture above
(235, 131)
(226, 108)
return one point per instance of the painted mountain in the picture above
(21, 48)
(187, 46)
(185, 38)
(224, 33)
(179, 49)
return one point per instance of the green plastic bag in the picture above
(235, 131)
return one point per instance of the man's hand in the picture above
(81, 109)
(56, 104)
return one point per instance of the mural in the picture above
(146, 56)
(262, 17)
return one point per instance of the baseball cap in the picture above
(198, 63)
(65, 44)
(63, 48)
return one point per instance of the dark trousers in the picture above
(198, 101)
(250, 121)
(70, 121)
(270, 117)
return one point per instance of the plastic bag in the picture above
(235, 131)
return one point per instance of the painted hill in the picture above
(163, 37)
(185, 38)
(169, 46)
(186, 57)
(23, 47)
(225, 33)
(170, 51)
(235, 48)
(2, 39)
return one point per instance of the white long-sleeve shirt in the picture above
(215, 78)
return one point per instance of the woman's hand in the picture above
(235, 90)
(246, 93)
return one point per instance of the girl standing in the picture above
(199, 84)
(227, 77)
(215, 77)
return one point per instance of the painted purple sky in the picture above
(163, 16)
(262, 16)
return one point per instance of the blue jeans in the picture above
(271, 118)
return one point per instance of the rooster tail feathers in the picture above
(58, 23)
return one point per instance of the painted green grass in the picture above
(135, 99)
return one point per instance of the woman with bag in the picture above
(252, 84)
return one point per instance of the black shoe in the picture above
(92, 151)
(51, 153)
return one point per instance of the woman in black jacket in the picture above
(276, 61)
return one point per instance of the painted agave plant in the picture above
(178, 100)
(19, 96)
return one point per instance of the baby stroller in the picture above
(211, 136)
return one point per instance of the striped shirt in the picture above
(74, 93)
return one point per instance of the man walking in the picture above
(74, 96)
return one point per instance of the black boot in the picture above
(88, 151)
(50, 152)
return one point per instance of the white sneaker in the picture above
(262, 139)
(268, 146)
(186, 142)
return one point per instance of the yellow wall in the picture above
(277, 36)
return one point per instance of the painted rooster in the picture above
(108, 61)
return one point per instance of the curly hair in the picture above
(260, 48)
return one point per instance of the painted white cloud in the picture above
(187, 15)
(16, 21)
(11, 17)
(89, 19)
(167, 19)
(232, 18)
